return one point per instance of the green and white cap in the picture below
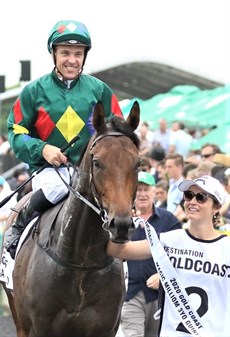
(146, 178)
(69, 32)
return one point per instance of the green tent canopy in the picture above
(188, 104)
(211, 109)
(166, 105)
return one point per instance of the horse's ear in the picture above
(99, 117)
(133, 118)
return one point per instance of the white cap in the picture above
(208, 184)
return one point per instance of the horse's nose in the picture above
(121, 229)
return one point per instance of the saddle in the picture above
(48, 218)
(43, 232)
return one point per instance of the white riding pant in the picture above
(51, 184)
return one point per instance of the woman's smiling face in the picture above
(199, 211)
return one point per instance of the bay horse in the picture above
(65, 285)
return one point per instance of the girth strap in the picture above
(67, 264)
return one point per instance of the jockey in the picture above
(48, 113)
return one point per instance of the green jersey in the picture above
(47, 112)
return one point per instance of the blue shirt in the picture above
(139, 271)
(174, 195)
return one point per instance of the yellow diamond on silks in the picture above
(70, 124)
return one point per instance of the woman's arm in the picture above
(131, 250)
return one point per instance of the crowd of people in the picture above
(170, 164)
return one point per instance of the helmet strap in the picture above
(53, 57)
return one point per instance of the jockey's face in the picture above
(69, 61)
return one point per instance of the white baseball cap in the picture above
(208, 184)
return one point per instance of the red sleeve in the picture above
(115, 107)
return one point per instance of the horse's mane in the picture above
(81, 155)
(118, 124)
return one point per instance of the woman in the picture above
(200, 256)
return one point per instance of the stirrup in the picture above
(11, 238)
(13, 234)
(11, 242)
(13, 248)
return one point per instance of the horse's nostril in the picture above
(121, 229)
(112, 224)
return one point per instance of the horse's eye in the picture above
(96, 164)
(137, 165)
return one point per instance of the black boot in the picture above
(13, 234)
(37, 204)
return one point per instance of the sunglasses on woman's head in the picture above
(201, 197)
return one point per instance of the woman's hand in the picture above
(153, 281)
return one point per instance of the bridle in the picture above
(95, 194)
(99, 210)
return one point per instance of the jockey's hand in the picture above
(53, 155)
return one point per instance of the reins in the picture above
(76, 193)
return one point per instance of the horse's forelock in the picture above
(115, 124)
(118, 124)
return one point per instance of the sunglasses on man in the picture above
(207, 155)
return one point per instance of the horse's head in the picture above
(114, 168)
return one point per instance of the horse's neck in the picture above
(81, 236)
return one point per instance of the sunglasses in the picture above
(200, 197)
(207, 155)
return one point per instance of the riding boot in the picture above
(37, 204)
(13, 235)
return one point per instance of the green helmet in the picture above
(69, 32)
